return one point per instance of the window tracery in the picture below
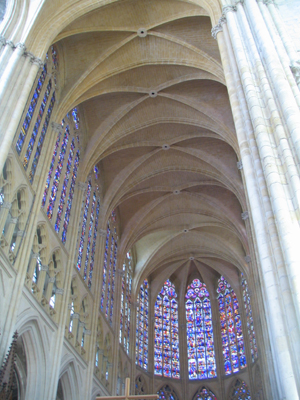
(240, 391)
(60, 183)
(142, 325)
(250, 323)
(30, 140)
(231, 328)
(166, 339)
(99, 348)
(204, 394)
(200, 340)
(140, 385)
(125, 311)
(167, 393)
(109, 268)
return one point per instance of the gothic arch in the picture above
(70, 379)
(36, 357)
(239, 390)
(167, 392)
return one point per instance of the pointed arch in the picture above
(166, 392)
(239, 391)
(231, 328)
(166, 336)
(200, 339)
(204, 394)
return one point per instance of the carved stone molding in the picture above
(245, 215)
(295, 68)
(35, 255)
(6, 205)
(2, 41)
(227, 9)
(87, 332)
(60, 292)
(56, 127)
(239, 165)
(52, 280)
(21, 46)
(102, 233)
(120, 272)
(13, 220)
(44, 268)
(37, 61)
(75, 316)
(219, 27)
(10, 43)
(82, 186)
(20, 233)
(248, 259)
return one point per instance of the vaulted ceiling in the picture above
(148, 80)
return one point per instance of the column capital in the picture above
(102, 232)
(13, 220)
(37, 61)
(56, 127)
(76, 316)
(120, 272)
(6, 204)
(87, 332)
(248, 259)
(44, 267)
(82, 186)
(239, 165)
(245, 215)
(59, 291)
(21, 233)
(2, 41)
(21, 46)
(227, 9)
(10, 43)
(219, 27)
(52, 280)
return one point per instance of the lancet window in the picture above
(88, 231)
(142, 325)
(109, 268)
(240, 391)
(125, 311)
(29, 142)
(166, 340)
(5, 192)
(204, 394)
(60, 183)
(231, 328)
(167, 393)
(200, 340)
(250, 324)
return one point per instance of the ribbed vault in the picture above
(147, 78)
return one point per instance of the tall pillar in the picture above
(251, 133)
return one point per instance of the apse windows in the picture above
(200, 340)
(31, 137)
(250, 324)
(109, 268)
(166, 340)
(125, 311)
(240, 391)
(204, 394)
(88, 231)
(231, 328)
(60, 183)
(142, 325)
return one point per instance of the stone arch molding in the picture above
(70, 378)
(36, 350)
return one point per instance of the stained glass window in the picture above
(125, 311)
(166, 340)
(204, 394)
(240, 391)
(109, 268)
(231, 328)
(250, 324)
(61, 179)
(31, 108)
(142, 324)
(167, 393)
(200, 340)
(32, 135)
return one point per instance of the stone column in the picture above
(8, 47)
(6, 206)
(41, 281)
(248, 150)
(9, 134)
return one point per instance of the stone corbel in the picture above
(102, 233)
(245, 215)
(219, 27)
(239, 165)
(248, 259)
(56, 127)
(227, 9)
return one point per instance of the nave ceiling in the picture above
(147, 79)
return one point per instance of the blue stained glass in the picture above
(250, 323)
(54, 56)
(109, 278)
(64, 187)
(94, 246)
(41, 139)
(231, 328)
(57, 174)
(240, 391)
(70, 198)
(166, 335)
(125, 302)
(75, 115)
(204, 394)
(31, 108)
(84, 221)
(89, 236)
(36, 126)
(200, 344)
(142, 312)
(113, 283)
(51, 169)
(96, 171)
